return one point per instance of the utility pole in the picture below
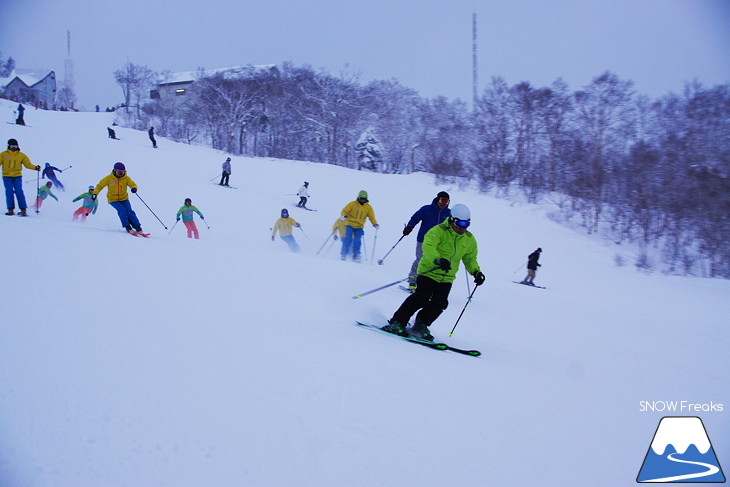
(474, 77)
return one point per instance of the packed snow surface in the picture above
(230, 361)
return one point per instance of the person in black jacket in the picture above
(151, 133)
(532, 266)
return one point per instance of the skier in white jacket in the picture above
(303, 194)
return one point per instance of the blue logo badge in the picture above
(680, 452)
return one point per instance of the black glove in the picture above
(407, 230)
(443, 264)
(479, 278)
(86, 214)
(273, 238)
(336, 237)
(38, 168)
(134, 190)
(178, 219)
(93, 196)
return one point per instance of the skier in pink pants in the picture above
(186, 211)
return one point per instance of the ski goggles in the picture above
(13, 147)
(443, 200)
(460, 223)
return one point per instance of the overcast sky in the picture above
(425, 44)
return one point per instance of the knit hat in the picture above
(188, 199)
(362, 194)
(119, 167)
(443, 194)
(284, 213)
(49, 184)
(12, 142)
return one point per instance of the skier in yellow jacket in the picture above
(284, 226)
(354, 215)
(12, 161)
(117, 183)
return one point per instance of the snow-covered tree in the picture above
(369, 151)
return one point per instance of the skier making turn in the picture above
(443, 247)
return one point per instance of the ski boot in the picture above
(23, 212)
(419, 330)
(10, 212)
(395, 328)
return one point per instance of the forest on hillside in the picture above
(654, 172)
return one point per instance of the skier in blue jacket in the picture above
(429, 216)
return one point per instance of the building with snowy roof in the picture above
(30, 86)
(177, 84)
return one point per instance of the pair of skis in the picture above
(425, 343)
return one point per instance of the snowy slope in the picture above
(230, 361)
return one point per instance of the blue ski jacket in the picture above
(429, 216)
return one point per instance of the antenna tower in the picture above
(474, 80)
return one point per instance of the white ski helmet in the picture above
(461, 212)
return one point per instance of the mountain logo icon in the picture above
(680, 452)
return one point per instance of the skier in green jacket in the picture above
(443, 247)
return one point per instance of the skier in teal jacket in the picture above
(186, 211)
(89, 205)
(43, 193)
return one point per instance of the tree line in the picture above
(655, 172)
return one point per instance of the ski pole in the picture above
(330, 247)
(380, 262)
(206, 223)
(468, 300)
(173, 227)
(358, 296)
(375, 241)
(158, 218)
(305, 233)
(69, 167)
(216, 177)
(325, 242)
(37, 189)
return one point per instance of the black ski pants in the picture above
(431, 298)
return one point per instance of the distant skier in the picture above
(532, 266)
(226, 172)
(354, 215)
(151, 133)
(48, 172)
(303, 194)
(112, 134)
(117, 183)
(186, 212)
(43, 193)
(443, 247)
(284, 226)
(89, 205)
(428, 216)
(21, 111)
(12, 161)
